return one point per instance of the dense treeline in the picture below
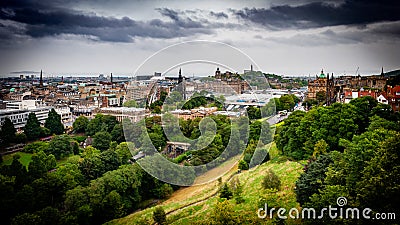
(352, 152)
(302, 131)
(32, 129)
(96, 185)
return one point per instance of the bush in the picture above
(20, 138)
(243, 165)
(80, 139)
(271, 181)
(159, 216)
(36, 147)
(225, 192)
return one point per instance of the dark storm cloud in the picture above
(320, 14)
(40, 21)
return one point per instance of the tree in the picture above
(36, 146)
(7, 133)
(271, 181)
(53, 122)
(60, 146)
(41, 164)
(225, 192)
(102, 140)
(26, 218)
(159, 216)
(32, 127)
(243, 165)
(312, 179)
(80, 124)
(237, 190)
(131, 103)
(253, 113)
(123, 152)
(117, 133)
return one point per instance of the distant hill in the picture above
(392, 73)
(394, 77)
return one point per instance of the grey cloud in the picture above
(320, 14)
(52, 21)
(219, 15)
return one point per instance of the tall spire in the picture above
(41, 79)
(180, 78)
(382, 74)
(111, 78)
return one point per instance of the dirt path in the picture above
(188, 192)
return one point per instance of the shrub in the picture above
(159, 216)
(243, 165)
(271, 181)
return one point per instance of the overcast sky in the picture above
(283, 37)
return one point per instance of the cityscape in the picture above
(237, 113)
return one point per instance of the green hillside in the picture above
(178, 213)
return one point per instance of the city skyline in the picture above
(282, 37)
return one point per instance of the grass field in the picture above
(288, 171)
(25, 158)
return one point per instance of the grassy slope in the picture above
(25, 158)
(251, 180)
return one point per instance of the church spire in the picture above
(382, 74)
(111, 78)
(180, 78)
(41, 79)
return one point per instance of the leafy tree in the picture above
(26, 218)
(53, 122)
(41, 164)
(131, 103)
(80, 124)
(159, 216)
(320, 148)
(95, 125)
(20, 138)
(364, 107)
(102, 140)
(110, 160)
(366, 173)
(271, 181)
(32, 127)
(45, 132)
(36, 146)
(117, 133)
(123, 152)
(60, 146)
(253, 113)
(243, 165)
(7, 133)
